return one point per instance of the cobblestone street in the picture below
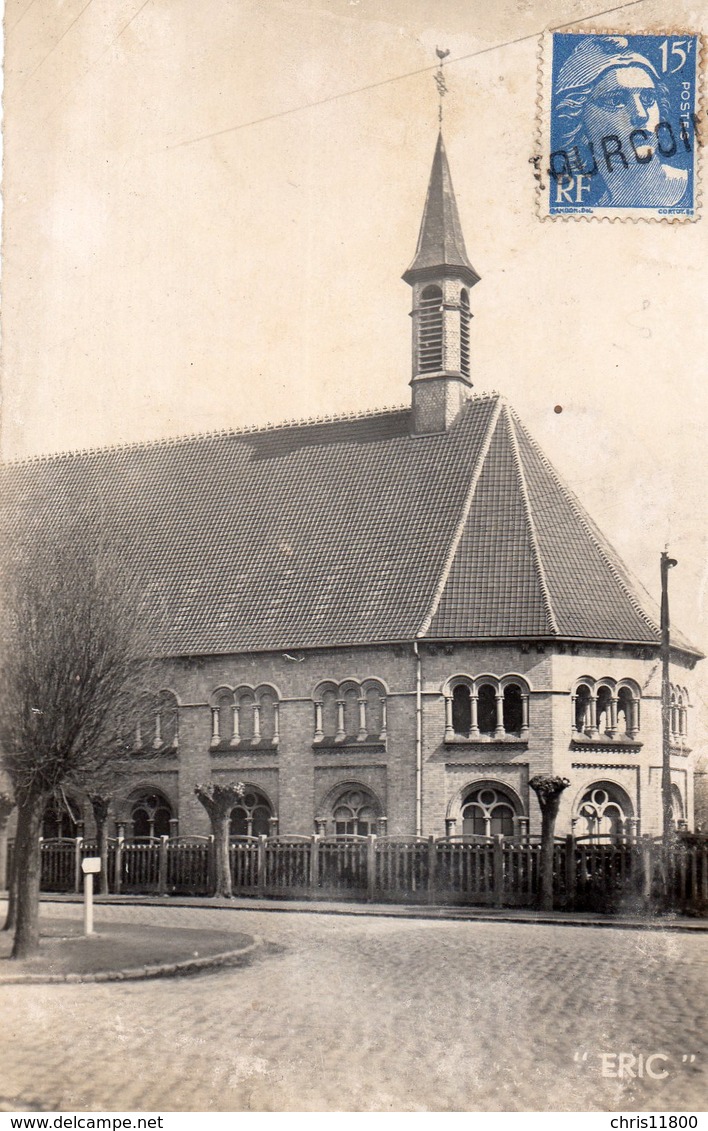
(362, 1013)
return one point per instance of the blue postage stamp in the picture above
(620, 127)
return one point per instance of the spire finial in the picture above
(440, 83)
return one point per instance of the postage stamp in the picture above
(619, 125)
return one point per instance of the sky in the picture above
(208, 207)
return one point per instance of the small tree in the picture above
(219, 800)
(548, 790)
(76, 630)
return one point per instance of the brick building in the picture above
(386, 622)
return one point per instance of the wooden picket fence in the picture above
(589, 875)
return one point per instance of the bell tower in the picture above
(441, 277)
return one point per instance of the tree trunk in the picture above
(223, 883)
(102, 838)
(10, 918)
(548, 825)
(27, 877)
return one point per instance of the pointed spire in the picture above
(441, 244)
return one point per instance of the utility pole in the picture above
(667, 563)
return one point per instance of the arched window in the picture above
(513, 709)
(166, 721)
(487, 709)
(150, 814)
(351, 712)
(582, 708)
(604, 711)
(329, 712)
(488, 810)
(268, 706)
(461, 709)
(677, 809)
(62, 818)
(628, 711)
(604, 811)
(464, 333)
(375, 712)
(430, 331)
(252, 816)
(355, 811)
(222, 717)
(245, 702)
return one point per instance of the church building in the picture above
(385, 622)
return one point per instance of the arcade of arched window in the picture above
(350, 712)
(486, 707)
(604, 709)
(245, 718)
(157, 726)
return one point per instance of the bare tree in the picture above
(76, 632)
(219, 800)
(548, 790)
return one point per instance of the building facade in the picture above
(383, 623)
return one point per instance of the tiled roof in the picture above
(440, 240)
(348, 531)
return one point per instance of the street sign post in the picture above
(90, 866)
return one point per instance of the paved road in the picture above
(360, 1014)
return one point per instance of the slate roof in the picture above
(441, 244)
(348, 531)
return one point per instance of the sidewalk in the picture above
(402, 911)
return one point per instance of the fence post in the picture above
(571, 874)
(77, 864)
(498, 864)
(315, 862)
(211, 865)
(162, 867)
(647, 868)
(432, 861)
(118, 865)
(262, 865)
(370, 867)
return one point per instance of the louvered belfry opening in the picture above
(465, 333)
(430, 331)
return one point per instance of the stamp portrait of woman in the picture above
(614, 124)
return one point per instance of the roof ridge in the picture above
(185, 437)
(464, 515)
(531, 525)
(604, 547)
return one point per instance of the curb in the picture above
(136, 973)
(459, 914)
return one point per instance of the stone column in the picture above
(256, 723)
(450, 826)
(276, 724)
(215, 734)
(524, 716)
(341, 733)
(449, 731)
(474, 722)
(157, 740)
(592, 716)
(361, 736)
(236, 725)
(382, 736)
(499, 728)
(612, 718)
(319, 732)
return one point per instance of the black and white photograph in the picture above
(353, 560)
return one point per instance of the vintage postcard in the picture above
(353, 558)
